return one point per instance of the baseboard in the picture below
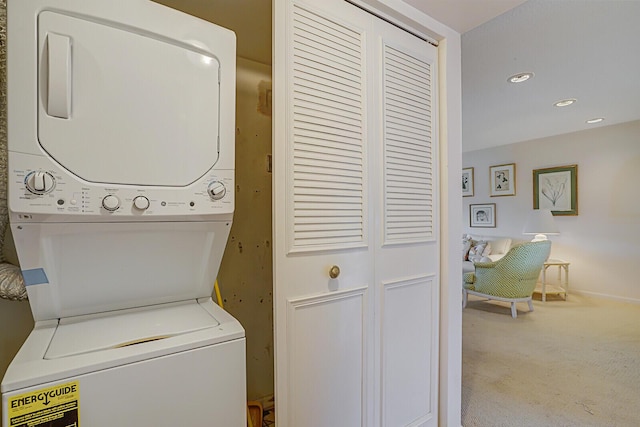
(605, 296)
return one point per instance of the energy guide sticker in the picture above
(48, 407)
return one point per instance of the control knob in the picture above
(40, 182)
(141, 203)
(216, 190)
(111, 202)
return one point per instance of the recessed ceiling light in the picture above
(565, 102)
(520, 77)
(595, 120)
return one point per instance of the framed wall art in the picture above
(556, 189)
(482, 215)
(502, 180)
(467, 182)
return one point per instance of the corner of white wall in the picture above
(449, 61)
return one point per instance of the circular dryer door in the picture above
(124, 107)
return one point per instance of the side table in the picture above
(561, 287)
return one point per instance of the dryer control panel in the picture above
(43, 188)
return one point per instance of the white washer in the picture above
(121, 178)
(195, 377)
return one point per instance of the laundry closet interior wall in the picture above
(16, 321)
(245, 276)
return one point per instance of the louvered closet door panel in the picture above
(328, 163)
(408, 147)
(324, 325)
(407, 253)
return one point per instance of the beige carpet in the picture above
(574, 363)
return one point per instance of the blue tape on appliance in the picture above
(35, 276)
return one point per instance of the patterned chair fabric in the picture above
(512, 278)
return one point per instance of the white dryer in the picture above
(121, 178)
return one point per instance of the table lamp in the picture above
(540, 222)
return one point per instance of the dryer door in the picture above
(124, 107)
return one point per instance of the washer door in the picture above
(124, 107)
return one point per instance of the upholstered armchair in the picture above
(511, 279)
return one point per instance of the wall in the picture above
(16, 324)
(15, 317)
(16, 321)
(246, 275)
(602, 241)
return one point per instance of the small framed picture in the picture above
(502, 180)
(556, 189)
(467, 182)
(482, 215)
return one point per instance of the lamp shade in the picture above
(540, 222)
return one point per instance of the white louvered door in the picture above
(407, 250)
(354, 176)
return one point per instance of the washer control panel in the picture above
(216, 190)
(41, 189)
(40, 182)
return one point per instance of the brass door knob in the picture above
(334, 272)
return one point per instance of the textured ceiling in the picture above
(463, 15)
(577, 49)
(583, 49)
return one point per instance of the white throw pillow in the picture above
(487, 250)
(500, 246)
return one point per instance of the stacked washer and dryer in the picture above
(121, 178)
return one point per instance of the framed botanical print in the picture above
(502, 180)
(556, 189)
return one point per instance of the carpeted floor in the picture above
(573, 363)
